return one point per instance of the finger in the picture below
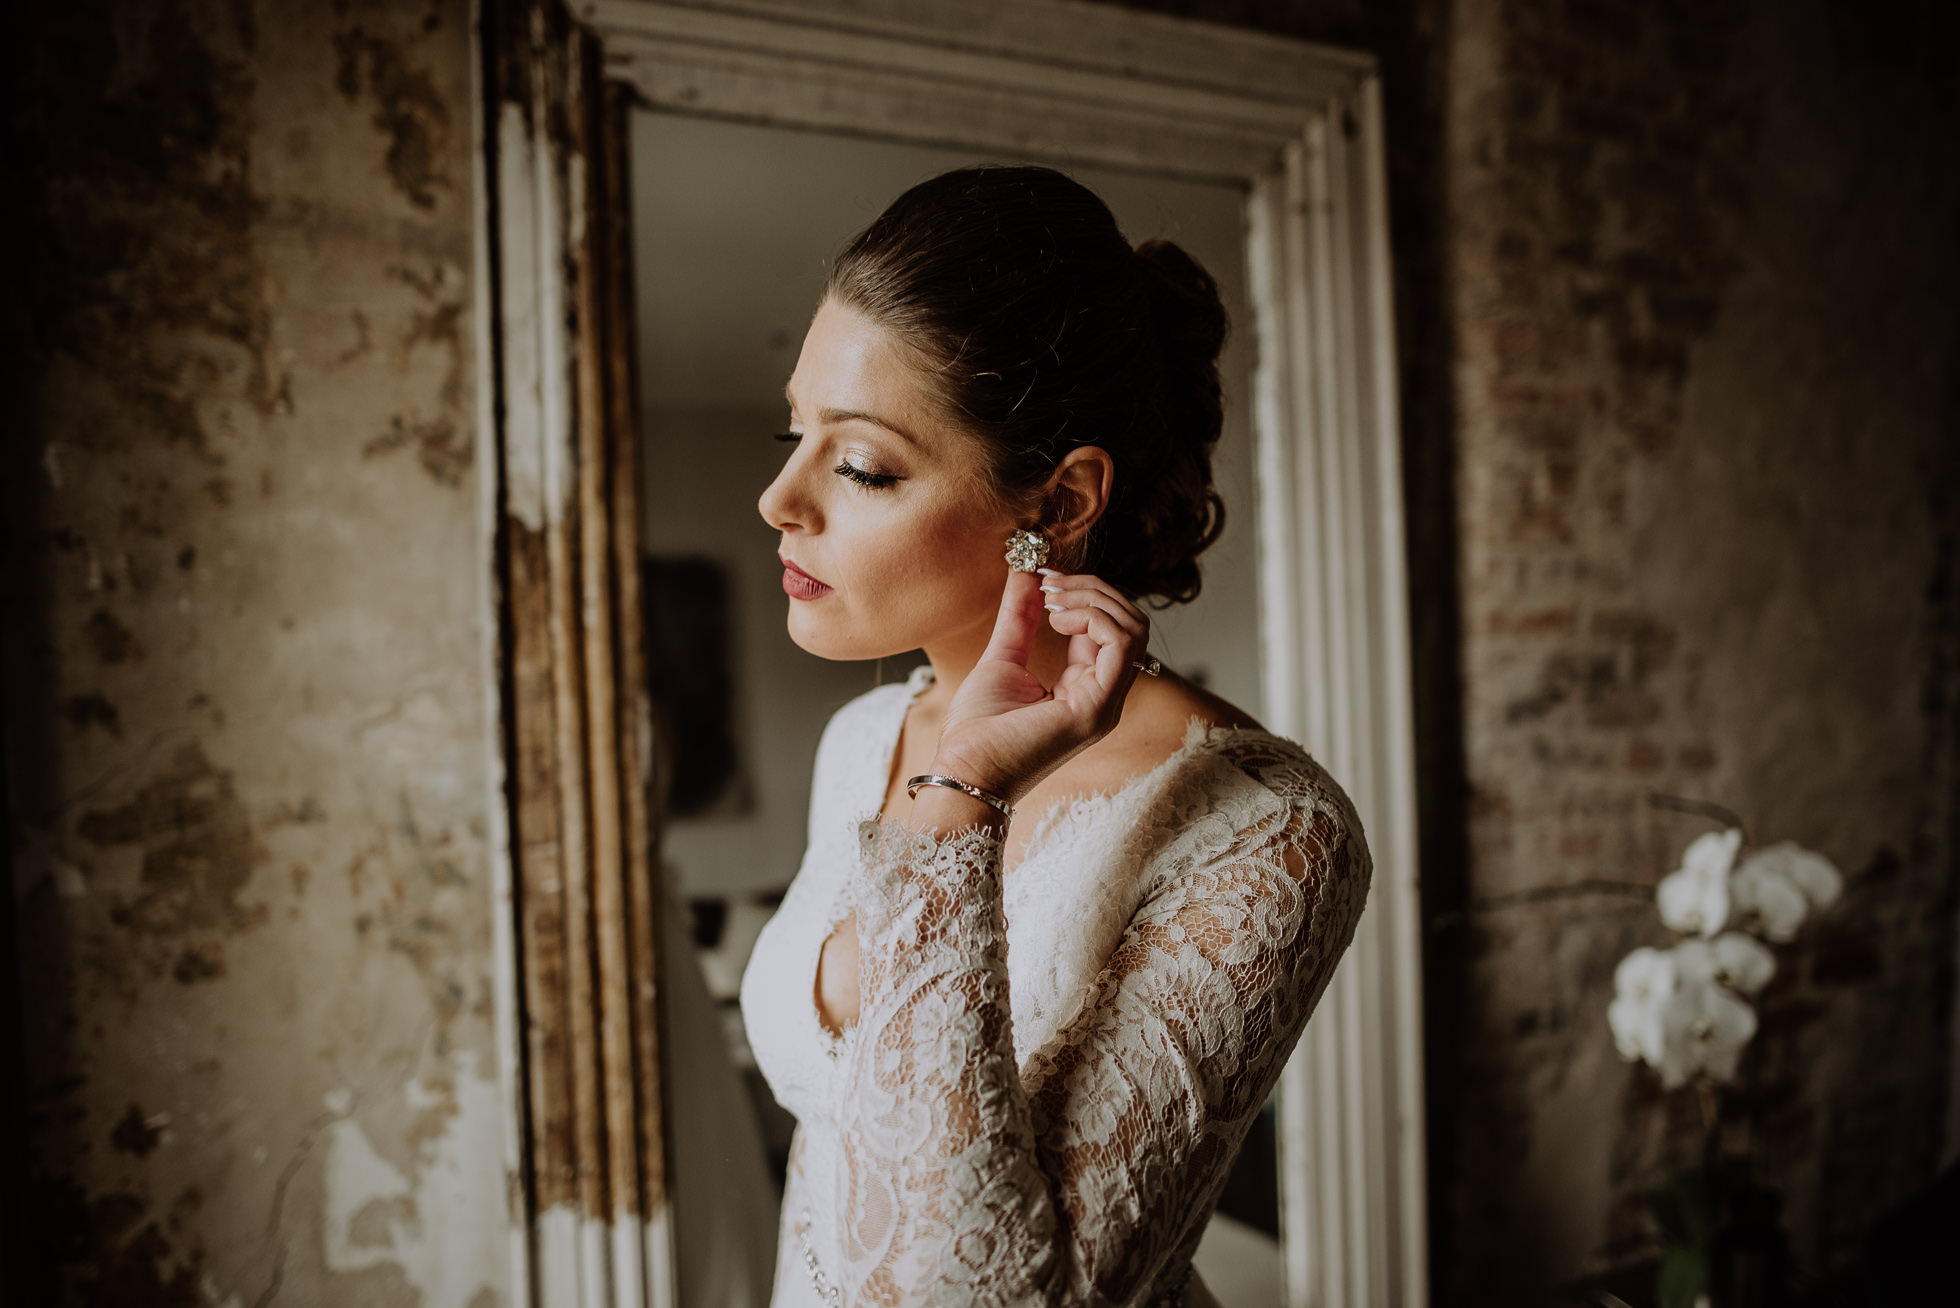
(1107, 658)
(1063, 595)
(1063, 582)
(1014, 628)
(1115, 671)
(1096, 624)
(1127, 617)
(1098, 640)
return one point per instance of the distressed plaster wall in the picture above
(244, 703)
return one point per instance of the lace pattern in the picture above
(1057, 1131)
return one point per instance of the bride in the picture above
(1063, 914)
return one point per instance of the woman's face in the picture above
(890, 540)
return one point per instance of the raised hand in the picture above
(1004, 730)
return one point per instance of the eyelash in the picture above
(869, 480)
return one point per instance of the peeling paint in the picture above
(112, 641)
(199, 963)
(135, 1135)
(443, 452)
(444, 447)
(378, 1215)
(358, 1182)
(533, 392)
(241, 276)
(198, 849)
(92, 710)
(593, 1107)
(169, 131)
(409, 110)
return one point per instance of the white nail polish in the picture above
(1051, 590)
(1048, 572)
(1054, 608)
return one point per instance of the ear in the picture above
(1076, 495)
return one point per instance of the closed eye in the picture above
(850, 471)
(863, 477)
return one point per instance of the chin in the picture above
(833, 636)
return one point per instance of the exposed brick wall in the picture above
(1675, 288)
(1703, 278)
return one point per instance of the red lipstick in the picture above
(798, 584)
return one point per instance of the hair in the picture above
(1045, 332)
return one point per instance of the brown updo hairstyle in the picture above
(1047, 332)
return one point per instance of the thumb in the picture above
(1020, 611)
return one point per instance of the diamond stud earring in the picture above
(1027, 551)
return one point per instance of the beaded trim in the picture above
(830, 1294)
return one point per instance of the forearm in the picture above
(936, 1121)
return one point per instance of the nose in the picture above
(782, 504)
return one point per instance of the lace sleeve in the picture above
(963, 1184)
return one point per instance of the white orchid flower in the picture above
(1742, 963)
(1695, 898)
(1641, 986)
(1692, 904)
(1765, 899)
(1816, 876)
(1703, 1031)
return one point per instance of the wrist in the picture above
(976, 774)
(944, 809)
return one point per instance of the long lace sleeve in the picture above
(1088, 1182)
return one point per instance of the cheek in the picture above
(906, 581)
(954, 553)
(953, 559)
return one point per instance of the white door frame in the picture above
(1299, 128)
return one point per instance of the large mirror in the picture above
(734, 225)
(750, 141)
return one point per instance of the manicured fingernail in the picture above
(1054, 608)
(1051, 590)
(1048, 572)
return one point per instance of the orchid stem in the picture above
(1700, 808)
(1710, 1096)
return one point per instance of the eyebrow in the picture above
(857, 415)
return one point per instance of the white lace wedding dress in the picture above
(1051, 1073)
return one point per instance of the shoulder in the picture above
(1203, 760)
(1269, 848)
(1152, 737)
(1184, 727)
(1273, 762)
(1274, 797)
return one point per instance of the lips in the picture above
(798, 584)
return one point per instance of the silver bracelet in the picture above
(954, 783)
